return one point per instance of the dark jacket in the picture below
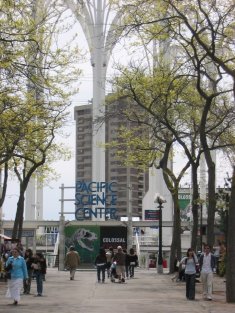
(39, 265)
(213, 261)
(133, 258)
(29, 260)
(101, 260)
(120, 258)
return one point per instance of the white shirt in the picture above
(206, 266)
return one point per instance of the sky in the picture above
(66, 169)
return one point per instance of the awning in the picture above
(4, 236)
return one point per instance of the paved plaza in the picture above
(148, 292)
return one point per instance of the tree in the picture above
(37, 95)
(214, 34)
(157, 97)
(174, 107)
(207, 27)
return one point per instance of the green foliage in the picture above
(34, 99)
(222, 267)
(198, 37)
(133, 148)
(37, 81)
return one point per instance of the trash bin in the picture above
(164, 263)
(152, 263)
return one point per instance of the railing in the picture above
(147, 240)
(50, 242)
(50, 259)
(47, 239)
(142, 243)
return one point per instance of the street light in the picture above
(129, 218)
(160, 200)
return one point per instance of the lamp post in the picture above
(201, 225)
(61, 232)
(129, 223)
(227, 188)
(160, 200)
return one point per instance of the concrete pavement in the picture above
(148, 292)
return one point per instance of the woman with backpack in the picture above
(190, 262)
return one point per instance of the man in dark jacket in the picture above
(101, 264)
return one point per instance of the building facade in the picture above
(132, 183)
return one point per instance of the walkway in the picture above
(148, 292)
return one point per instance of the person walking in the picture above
(176, 269)
(190, 262)
(29, 260)
(101, 264)
(72, 261)
(39, 270)
(109, 257)
(16, 265)
(133, 262)
(120, 258)
(127, 263)
(207, 264)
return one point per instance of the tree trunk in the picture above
(195, 198)
(211, 203)
(211, 175)
(20, 206)
(18, 224)
(4, 188)
(173, 186)
(176, 235)
(230, 267)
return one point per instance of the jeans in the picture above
(108, 265)
(39, 281)
(101, 270)
(72, 272)
(28, 285)
(132, 270)
(190, 286)
(127, 270)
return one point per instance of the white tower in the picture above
(94, 18)
(34, 201)
(161, 53)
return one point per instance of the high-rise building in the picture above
(83, 154)
(132, 183)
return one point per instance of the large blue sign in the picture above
(95, 199)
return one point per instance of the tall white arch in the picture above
(100, 29)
